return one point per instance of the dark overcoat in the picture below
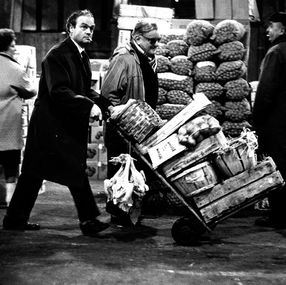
(56, 144)
(269, 112)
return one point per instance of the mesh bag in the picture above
(198, 32)
(181, 65)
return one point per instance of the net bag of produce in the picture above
(162, 96)
(126, 189)
(168, 111)
(181, 65)
(165, 38)
(230, 70)
(163, 64)
(162, 50)
(234, 129)
(240, 105)
(198, 129)
(178, 97)
(202, 52)
(198, 32)
(237, 89)
(228, 31)
(231, 51)
(205, 71)
(177, 47)
(212, 90)
(215, 109)
(172, 81)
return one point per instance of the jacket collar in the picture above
(279, 40)
(8, 56)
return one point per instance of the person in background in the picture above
(131, 75)
(14, 87)
(269, 113)
(56, 147)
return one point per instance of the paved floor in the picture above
(235, 252)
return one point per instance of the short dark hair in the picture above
(6, 38)
(71, 20)
(143, 27)
(278, 17)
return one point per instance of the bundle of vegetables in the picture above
(198, 129)
(198, 32)
(162, 49)
(127, 187)
(178, 97)
(181, 65)
(230, 70)
(231, 51)
(136, 119)
(212, 90)
(162, 96)
(205, 71)
(215, 110)
(234, 129)
(202, 52)
(237, 89)
(163, 64)
(172, 81)
(168, 111)
(177, 47)
(228, 31)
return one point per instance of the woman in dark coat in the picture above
(269, 113)
(56, 145)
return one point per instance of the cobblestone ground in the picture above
(235, 252)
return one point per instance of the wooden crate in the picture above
(234, 192)
(191, 157)
(204, 9)
(223, 9)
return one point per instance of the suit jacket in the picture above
(56, 144)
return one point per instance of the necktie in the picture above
(85, 60)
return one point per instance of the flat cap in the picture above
(278, 17)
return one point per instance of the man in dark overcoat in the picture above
(56, 147)
(269, 113)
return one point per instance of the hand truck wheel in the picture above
(187, 231)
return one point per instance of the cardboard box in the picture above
(95, 134)
(92, 170)
(204, 9)
(102, 153)
(223, 9)
(102, 171)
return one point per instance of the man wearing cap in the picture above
(131, 74)
(269, 113)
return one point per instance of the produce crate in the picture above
(189, 157)
(196, 179)
(224, 198)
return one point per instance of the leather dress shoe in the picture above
(21, 227)
(92, 227)
(270, 222)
